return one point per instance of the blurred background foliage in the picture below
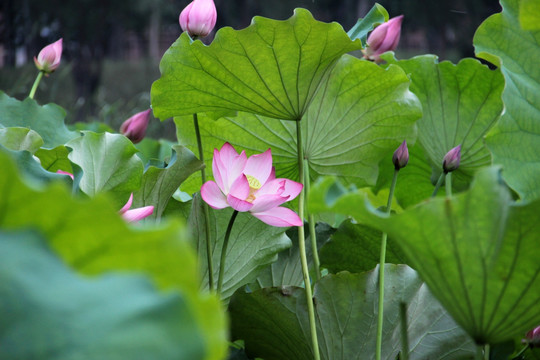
(112, 48)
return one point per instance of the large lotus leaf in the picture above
(159, 184)
(253, 245)
(356, 248)
(287, 270)
(20, 138)
(273, 322)
(47, 120)
(477, 251)
(460, 103)
(92, 238)
(49, 312)
(514, 140)
(109, 163)
(272, 68)
(361, 113)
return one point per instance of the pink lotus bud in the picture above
(533, 337)
(451, 159)
(401, 156)
(198, 18)
(134, 128)
(48, 58)
(384, 38)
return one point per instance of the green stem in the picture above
(438, 185)
(486, 349)
(521, 352)
(302, 246)
(224, 252)
(382, 261)
(404, 336)
(448, 184)
(206, 212)
(36, 84)
(311, 220)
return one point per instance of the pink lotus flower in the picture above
(249, 184)
(198, 18)
(136, 214)
(48, 58)
(452, 159)
(134, 128)
(384, 38)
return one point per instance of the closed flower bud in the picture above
(134, 128)
(198, 18)
(451, 159)
(401, 156)
(48, 58)
(533, 337)
(384, 38)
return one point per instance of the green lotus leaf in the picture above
(273, 322)
(460, 104)
(159, 184)
(514, 140)
(361, 113)
(109, 163)
(477, 252)
(272, 68)
(50, 312)
(91, 237)
(47, 120)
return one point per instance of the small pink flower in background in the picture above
(401, 156)
(452, 159)
(133, 215)
(384, 38)
(249, 184)
(134, 128)
(198, 18)
(65, 173)
(533, 337)
(48, 58)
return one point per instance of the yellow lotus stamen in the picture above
(254, 185)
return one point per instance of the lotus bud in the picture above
(533, 337)
(384, 38)
(48, 58)
(401, 156)
(134, 128)
(198, 18)
(451, 159)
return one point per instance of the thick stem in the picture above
(302, 246)
(36, 84)
(224, 252)
(404, 335)
(448, 184)
(205, 208)
(382, 261)
(311, 220)
(438, 185)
